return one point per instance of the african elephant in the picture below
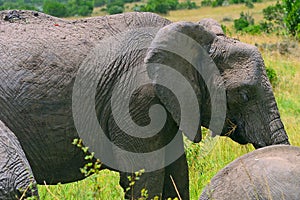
(42, 57)
(267, 173)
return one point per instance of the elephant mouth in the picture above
(239, 138)
(236, 132)
(233, 131)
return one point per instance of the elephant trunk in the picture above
(278, 134)
(276, 127)
(266, 127)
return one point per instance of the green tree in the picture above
(55, 8)
(16, 4)
(284, 17)
(115, 6)
(80, 7)
(292, 16)
(160, 6)
(243, 22)
(98, 3)
(187, 5)
(273, 18)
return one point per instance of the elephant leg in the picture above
(144, 148)
(151, 181)
(176, 176)
(16, 177)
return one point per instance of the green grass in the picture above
(203, 162)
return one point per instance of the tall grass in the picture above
(203, 162)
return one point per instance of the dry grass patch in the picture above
(218, 13)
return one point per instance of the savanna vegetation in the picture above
(274, 27)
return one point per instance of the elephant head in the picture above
(250, 114)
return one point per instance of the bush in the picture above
(115, 6)
(252, 29)
(249, 4)
(224, 28)
(160, 6)
(274, 18)
(206, 3)
(55, 8)
(20, 5)
(244, 21)
(187, 5)
(272, 75)
(246, 24)
(217, 3)
(266, 27)
(98, 3)
(115, 10)
(292, 16)
(298, 32)
(283, 17)
(236, 1)
(80, 7)
(71, 8)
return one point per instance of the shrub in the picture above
(266, 27)
(115, 10)
(236, 1)
(249, 4)
(224, 28)
(292, 15)
(206, 3)
(71, 8)
(227, 19)
(272, 75)
(55, 8)
(98, 3)
(274, 13)
(115, 6)
(80, 7)
(17, 6)
(284, 16)
(217, 3)
(160, 6)
(298, 32)
(252, 29)
(244, 21)
(187, 5)
(273, 16)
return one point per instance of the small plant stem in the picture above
(24, 193)
(50, 191)
(175, 188)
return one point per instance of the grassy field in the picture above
(204, 162)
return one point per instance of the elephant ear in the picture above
(176, 56)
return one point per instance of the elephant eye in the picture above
(244, 97)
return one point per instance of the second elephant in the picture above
(267, 173)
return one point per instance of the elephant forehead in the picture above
(230, 53)
(239, 63)
(241, 77)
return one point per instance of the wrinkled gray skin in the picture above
(18, 180)
(38, 66)
(267, 173)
